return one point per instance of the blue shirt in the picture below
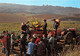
(54, 25)
(31, 47)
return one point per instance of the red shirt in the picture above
(4, 41)
(37, 40)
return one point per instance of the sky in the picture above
(63, 3)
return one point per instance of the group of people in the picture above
(8, 42)
(31, 45)
(37, 45)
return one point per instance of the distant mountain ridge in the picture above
(15, 8)
(21, 13)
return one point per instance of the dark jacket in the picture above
(41, 49)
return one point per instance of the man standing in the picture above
(52, 43)
(55, 25)
(31, 47)
(24, 32)
(45, 28)
(8, 34)
(25, 29)
(13, 40)
(23, 45)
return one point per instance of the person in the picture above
(48, 45)
(3, 48)
(13, 40)
(41, 48)
(64, 32)
(23, 45)
(45, 40)
(31, 47)
(45, 28)
(8, 34)
(49, 35)
(55, 25)
(51, 42)
(25, 29)
(6, 44)
(4, 33)
(35, 36)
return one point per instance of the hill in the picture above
(15, 8)
(23, 17)
(8, 17)
(21, 13)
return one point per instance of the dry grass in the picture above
(16, 26)
(75, 52)
(69, 52)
